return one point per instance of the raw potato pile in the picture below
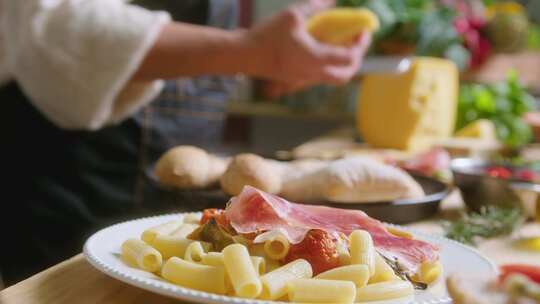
(350, 180)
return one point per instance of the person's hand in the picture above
(291, 59)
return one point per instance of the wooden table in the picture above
(75, 281)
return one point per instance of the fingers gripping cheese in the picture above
(340, 26)
(411, 110)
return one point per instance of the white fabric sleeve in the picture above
(74, 58)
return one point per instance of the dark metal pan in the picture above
(398, 211)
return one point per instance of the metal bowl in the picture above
(479, 189)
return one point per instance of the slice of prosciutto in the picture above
(255, 211)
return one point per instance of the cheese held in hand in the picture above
(341, 26)
(412, 110)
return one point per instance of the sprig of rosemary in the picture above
(489, 222)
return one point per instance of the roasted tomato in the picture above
(218, 214)
(318, 248)
(532, 272)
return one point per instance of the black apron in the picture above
(61, 185)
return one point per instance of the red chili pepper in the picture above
(532, 272)
(499, 172)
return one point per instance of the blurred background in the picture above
(491, 42)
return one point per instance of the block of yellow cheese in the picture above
(411, 110)
(340, 26)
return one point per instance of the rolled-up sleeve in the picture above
(74, 59)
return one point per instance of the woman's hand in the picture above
(279, 50)
(291, 59)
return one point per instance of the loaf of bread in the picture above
(349, 180)
(188, 167)
(352, 180)
(253, 170)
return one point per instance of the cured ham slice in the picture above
(255, 211)
(428, 163)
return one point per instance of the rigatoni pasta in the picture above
(358, 274)
(142, 255)
(192, 218)
(184, 230)
(275, 282)
(196, 276)
(259, 264)
(244, 278)
(277, 247)
(195, 251)
(384, 291)
(164, 229)
(429, 272)
(216, 259)
(383, 271)
(252, 267)
(170, 246)
(362, 249)
(321, 291)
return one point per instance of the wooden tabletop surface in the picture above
(76, 281)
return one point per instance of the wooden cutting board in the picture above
(343, 142)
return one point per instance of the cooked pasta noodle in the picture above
(196, 251)
(243, 276)
(164, 229)
(358, 274)
(383, 271)
(184, 230)
(275, 282)
(216, 259)
(196, 276)
(362, 249)
(142, 255)
(384, 291)
(429, 272)
(170, 246)
(277, 247)
(192, 218)
(399, 232)
(321, 291)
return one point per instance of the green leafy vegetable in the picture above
(212, 233)
(503, 103)
(424, 27)
(489, 222)
(533, 37)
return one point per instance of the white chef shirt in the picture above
(74, 59)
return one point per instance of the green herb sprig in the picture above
(504, 103)
(489, 222)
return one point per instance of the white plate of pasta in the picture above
(104, 251)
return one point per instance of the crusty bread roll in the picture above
(188, 167)
(253, 170)
(298, 168)
(352, 180)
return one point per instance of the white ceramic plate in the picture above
(102, 250)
